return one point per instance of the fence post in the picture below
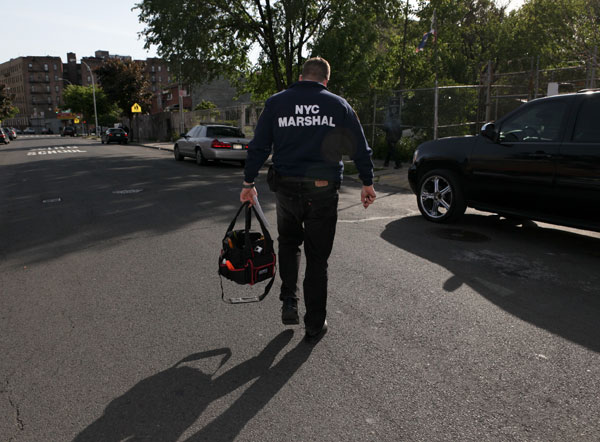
(537, 77)
(488, 98)
(594, 62)
(374, 119)
(435, 109)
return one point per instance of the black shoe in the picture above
(314, 336)
(289, 312)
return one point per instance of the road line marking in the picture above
(375, 218)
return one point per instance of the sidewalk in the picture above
(384, 176)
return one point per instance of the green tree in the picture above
(125, 83)
(80, 99)
(7, 110)
(204, 104)
(214, 37)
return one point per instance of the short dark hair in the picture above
(316, 68)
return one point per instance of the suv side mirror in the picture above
(488, 130)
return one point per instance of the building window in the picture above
(47, 78)
(168, 68)
(55, 67)
(55, 88)
(32, 88)
(160, 79)
(45, 67)
(31, 78)
(159, 68)
(30, 66)
(153, 78)
(56, 78)
(153, 88)
(47, 88)
(89, 79)
(57, 100)
(49, 100)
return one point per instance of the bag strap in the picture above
(232, 224)
(248, 299)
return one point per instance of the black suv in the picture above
(540, 162)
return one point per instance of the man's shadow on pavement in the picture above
(163, 406)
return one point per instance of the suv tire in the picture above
(440, 196)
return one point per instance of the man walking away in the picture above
(308, 129)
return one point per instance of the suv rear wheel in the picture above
(440, 198)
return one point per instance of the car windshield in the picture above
(221, 131)
(116, 130)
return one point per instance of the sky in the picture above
(45, 27)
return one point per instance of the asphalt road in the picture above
(112, 327)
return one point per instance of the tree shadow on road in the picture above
(54, 206)
(547, 277)
(163, 406)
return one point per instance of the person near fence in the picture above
(308, 129)
(393, 133)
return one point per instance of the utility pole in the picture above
(93, 95)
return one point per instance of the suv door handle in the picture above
(542, 155)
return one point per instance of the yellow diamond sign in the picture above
(136, 108)
(76, 121)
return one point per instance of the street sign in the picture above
(136, 108)
(76, 121)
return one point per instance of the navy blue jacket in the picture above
(309, 129)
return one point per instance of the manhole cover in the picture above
(127, 191)
(461, 235)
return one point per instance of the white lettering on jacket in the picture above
(312, 117)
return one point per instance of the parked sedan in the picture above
(114, 135)
(212, 143)
(29, 131)
(12, 133)
(4, 137)
(540, 162)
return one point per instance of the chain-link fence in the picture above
(413, 115)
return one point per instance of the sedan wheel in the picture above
(200, 159)
(440, 197)
(177, 154)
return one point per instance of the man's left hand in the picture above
(367, 196)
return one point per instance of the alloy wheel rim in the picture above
(436, 196)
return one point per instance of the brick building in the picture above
(34, 85)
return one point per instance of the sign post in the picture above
(136, 109)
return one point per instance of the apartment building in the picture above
(34, 85)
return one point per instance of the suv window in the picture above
(587, 127)
(220, 131)
(538, 122)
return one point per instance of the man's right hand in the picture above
(367, 196)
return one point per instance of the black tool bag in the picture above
(247, 257)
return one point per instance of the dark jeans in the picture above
(392, 153)
(306, 214)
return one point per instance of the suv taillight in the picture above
(220, 145)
